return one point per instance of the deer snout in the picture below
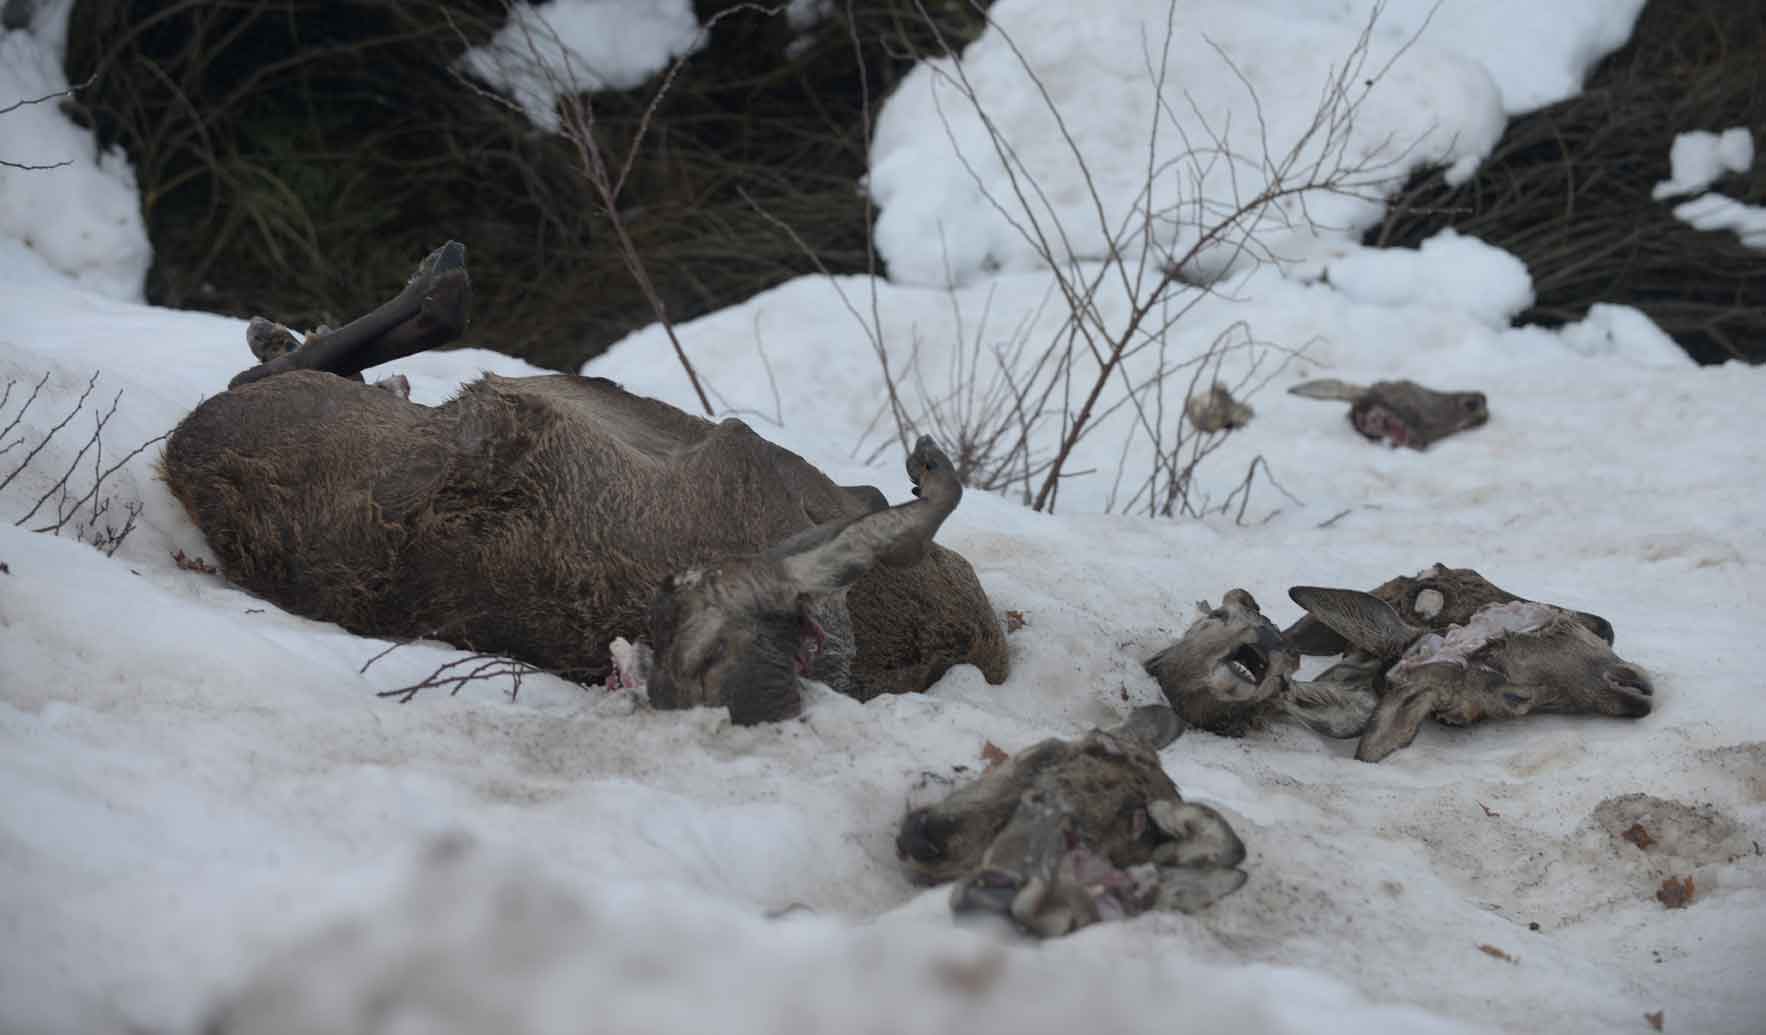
(1632, 677)
(921, 838)
(1633, 691)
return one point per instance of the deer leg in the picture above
(430, 311)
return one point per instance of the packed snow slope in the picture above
(203, 804)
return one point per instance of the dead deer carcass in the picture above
(1069, 832)
(1450, 644)
(542, 517)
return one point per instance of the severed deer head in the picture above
(1449, 644)
(1069, 832)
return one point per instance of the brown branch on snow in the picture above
(458, 673)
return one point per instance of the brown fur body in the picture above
(534, 517)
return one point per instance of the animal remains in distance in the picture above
(1402, 413)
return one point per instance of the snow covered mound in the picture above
(78, 212)
(546, 52)
(1450, 271)
(1055, 138)
(1538, 53)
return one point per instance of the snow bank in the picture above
(971, 187)
(544, 53)
(1461, 273)
(1624, 333)
(1538, 53)
(82, 217)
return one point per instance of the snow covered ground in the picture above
(200, 794)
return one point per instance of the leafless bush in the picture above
(293, 154)
(1012, 408)
(93, 516)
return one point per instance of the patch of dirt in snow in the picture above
(1743, 764)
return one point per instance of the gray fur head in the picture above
(1069, 832)
(1507, 660)
(740, 634)
(1230, 668)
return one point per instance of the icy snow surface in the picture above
(202, 801)
(545, 52)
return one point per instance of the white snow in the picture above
(202, 800)
(546, 52)
(1698, 159)
(1538, 53)
(1716, 212)
(1449, 270)
(1146, 120)
(1622, 332)
(1106, 132)
(83, 218)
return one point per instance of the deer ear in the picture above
(1395, 722)
(831, 557)
(1363, 619)
(1328, 388)
(1155, 725)
(1596, 624)
(1313, 638)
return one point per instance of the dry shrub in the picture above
(1568, 188)
(294, 154)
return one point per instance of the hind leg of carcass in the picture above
(431, 311)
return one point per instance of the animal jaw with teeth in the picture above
(1229, 669)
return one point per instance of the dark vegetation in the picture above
(293, 155)
(1568, 189)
